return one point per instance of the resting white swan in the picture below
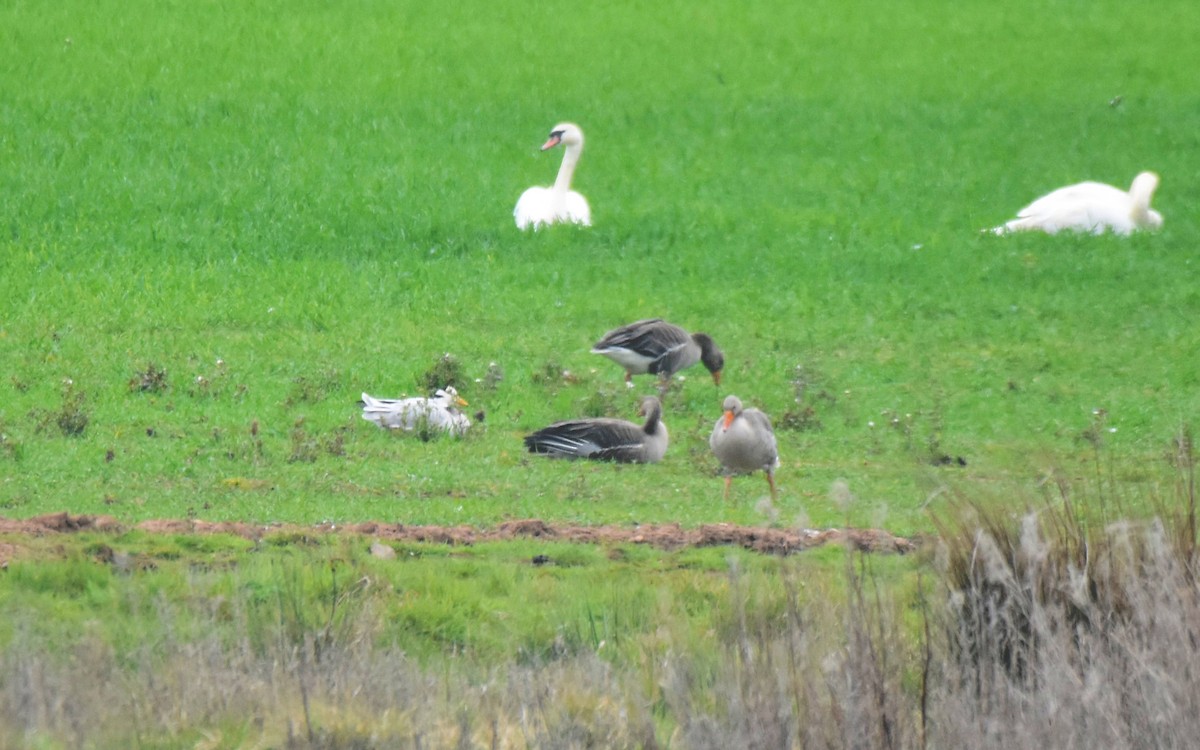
(540, 206)
(1091, 207)
(435, 414)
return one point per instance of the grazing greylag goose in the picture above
(744, 442)
(606, 439)
(540, 206)
(1091, 207)
(439, 413)
(659, 347)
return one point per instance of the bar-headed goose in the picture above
(436, 414)
(542, 206)
(606, 439)
(1091, 207)
(744, 442)
(659, 347)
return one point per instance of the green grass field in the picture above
(321, 200)
(260, 210)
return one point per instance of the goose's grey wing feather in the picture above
(760, 421)
(653, 337)
(604, 439)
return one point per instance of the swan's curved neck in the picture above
(571, 153)
(1140, 194)
(1140, 202)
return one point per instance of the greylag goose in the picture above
(606, 439)
(542, 206)
(744, 442)
(659, 347)
(1091, 207)
(439, 413)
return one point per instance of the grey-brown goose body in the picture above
(605, 439)
(743, 440)
(658, 347)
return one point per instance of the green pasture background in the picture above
(284, 204)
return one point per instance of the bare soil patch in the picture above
(661, 536)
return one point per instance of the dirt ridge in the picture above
(667, 536)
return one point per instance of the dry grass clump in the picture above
(1061, 634)
(811, 676)
(344, 694)
(1091, 643)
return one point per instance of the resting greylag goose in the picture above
(744, 442)
(659, 347)
(542, 206)
(606, 439)
(1091, 207)
(437, 414)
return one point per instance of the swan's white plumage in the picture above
(539, 206)
(1091, 207)
(438, 413)
(542, 206)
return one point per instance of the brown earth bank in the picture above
(662, 536)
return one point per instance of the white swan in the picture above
(1091, 207)
(435, 414)
(540, 206)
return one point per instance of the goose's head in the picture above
(649, 406)
(732, 408)
(566, 133)
(450, 397)
(1141, 192)
(711, 355)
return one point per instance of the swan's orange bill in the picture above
(555, 139)
(728, 419)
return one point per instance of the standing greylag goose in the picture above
(1091, 207)
(437, 414)
(606, 439)
(540, 206)
(656, 346)
(744, 442)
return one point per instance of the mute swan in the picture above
(540, 206)
(1091, 207)
(656, 346)
(605, 439)
(744, 442)
(436, 414)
